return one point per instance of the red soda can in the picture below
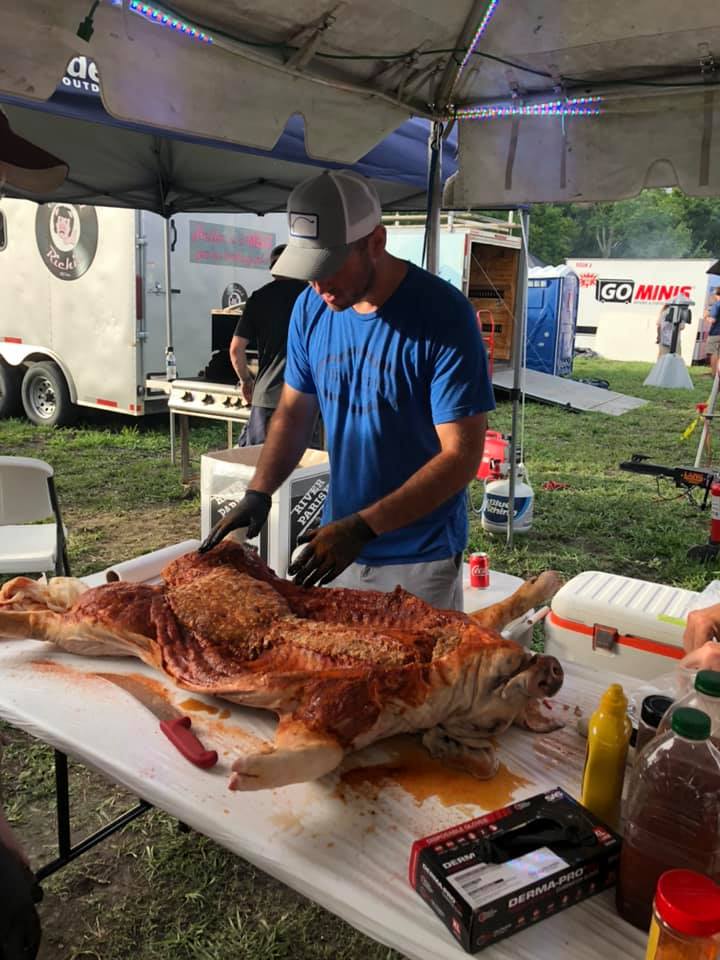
(479, 570)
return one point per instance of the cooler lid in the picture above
(636, 608)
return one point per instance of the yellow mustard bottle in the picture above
(607, 746)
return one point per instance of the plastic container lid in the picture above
(655, 707)
(708, 682)
(690, 723)
(689, 903)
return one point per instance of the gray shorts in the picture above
(438, 583)
(713, 345)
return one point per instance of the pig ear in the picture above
(532, 717)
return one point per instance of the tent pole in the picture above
(169, 321)
(432, 227)
(518, 352)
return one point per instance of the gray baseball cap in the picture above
(326, 215)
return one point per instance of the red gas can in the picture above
(495, 452)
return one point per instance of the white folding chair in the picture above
(27, 495)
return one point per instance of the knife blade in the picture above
(173, 723)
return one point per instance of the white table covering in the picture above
(346, 848)
(343, 841)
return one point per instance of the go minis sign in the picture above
(628, 291)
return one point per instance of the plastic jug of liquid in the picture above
(672, 813)
(704, 696)
(609, 733)
(496, 504)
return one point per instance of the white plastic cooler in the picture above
(617, 623)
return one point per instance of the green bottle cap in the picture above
(692, 724)
(708, 682)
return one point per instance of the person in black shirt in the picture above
(265, 320)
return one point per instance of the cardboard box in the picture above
(618, 623)
(492, 876)
(296, 505)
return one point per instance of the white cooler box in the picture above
(618, 623)
(296, 505)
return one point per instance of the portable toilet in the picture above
(551, 317)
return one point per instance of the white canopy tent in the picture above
(355, 71)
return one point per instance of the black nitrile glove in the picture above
(251, 512)
(330, 549)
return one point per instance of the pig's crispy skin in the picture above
(342, 668)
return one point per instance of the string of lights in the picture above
(572, 107)
(482, 26)
(163, 19)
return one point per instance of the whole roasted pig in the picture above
(341, 668)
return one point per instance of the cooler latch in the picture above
(604, 638)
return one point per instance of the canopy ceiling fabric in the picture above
(113, 163)
(279, 63)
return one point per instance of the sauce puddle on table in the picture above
(413, 769)
(198, 706)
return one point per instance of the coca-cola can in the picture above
(479, 570)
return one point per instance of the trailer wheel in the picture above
(10, 378)
(45, 396)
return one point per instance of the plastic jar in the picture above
(652, 710)
(686, 918)
(704, 696)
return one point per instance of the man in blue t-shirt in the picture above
(712, 316)
(393, 359)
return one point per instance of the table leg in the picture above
(66, 851)
(230, 434)
(62, 803)
(185, 449)
(172, 438)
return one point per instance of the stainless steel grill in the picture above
(200, 398)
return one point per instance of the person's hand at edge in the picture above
(330, 549)
(251, 512)
(702, 625)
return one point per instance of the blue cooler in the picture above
(551, 317)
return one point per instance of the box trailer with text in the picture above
(621, 300)
(82, 321)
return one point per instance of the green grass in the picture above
(155, 893)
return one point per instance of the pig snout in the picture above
(546, 677)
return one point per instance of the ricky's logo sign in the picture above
(628, 291)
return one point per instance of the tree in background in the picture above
(553, 232)
(657, 223)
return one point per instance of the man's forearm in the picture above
(238, 357)
(435, 482)
(240, 366)
(288, 437)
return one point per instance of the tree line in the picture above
(657, 223)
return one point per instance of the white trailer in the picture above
(82, 321)
(620, 301)
(479, 257)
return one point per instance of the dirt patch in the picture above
(104, 538)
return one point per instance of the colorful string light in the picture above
(572, 107)
(156, 15)
(489, 13)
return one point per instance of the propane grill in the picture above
(197, 397)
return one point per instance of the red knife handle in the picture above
(183, 739)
